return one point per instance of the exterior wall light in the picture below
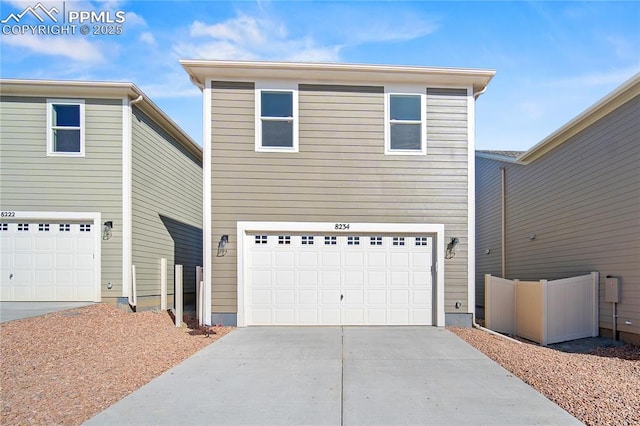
(106, 230)
(222, 246)
(451, 248)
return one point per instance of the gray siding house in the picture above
(571, 206)
(338, 193)
(94, 179)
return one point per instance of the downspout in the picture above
(495, 333)
(503, 219)
(128, 237)
(477, 94)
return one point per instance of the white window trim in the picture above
(274, 86)
(405, 90)
(50, 127)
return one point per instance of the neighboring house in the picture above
(94, 178)
(332, 191)
(571, 206)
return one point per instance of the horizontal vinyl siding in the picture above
(340, 173)
(582, 200)
(488, 223)
(31, 181)
(166, 207)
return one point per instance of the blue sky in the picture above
(553, 59)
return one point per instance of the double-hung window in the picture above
(276, 118)
(405, 118)
(65, 127)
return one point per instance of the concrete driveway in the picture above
(10, 311)
(336, 376)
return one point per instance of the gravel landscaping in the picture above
(66, 367)
(598, 388)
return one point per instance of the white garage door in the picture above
(46, 261)
(360, 279)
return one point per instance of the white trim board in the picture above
(206, 201)
(95, 217)
(435, 230)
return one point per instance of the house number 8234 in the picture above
(342, 226)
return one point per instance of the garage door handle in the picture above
(341, 297)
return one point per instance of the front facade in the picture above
(338, 194)
(94, 181)
(569, 206)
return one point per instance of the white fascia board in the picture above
(496, 157)
(199, 70)
(206, 201)
(94, 217)
(245, 228)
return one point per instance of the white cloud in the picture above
(77, 49)
(611, 77)
(148, 38)
(250, 38)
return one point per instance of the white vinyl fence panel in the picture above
(543, 311)
(500, 306)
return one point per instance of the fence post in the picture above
(487, 300)
(177, 297)
(515, 306)
(545, 331)
(133, 294)
(198, 295)
(163, 284)
(595, 317)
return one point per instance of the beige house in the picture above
(338, 193)
(94, 180)
(568, 206)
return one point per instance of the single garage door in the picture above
(339, 279)
(47, 261)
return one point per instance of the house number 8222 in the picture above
(342, 226)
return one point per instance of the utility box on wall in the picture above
(612, 290)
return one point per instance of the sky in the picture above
(553, 59)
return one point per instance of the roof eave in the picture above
(201, 70)
(624, 93)
(103, 90)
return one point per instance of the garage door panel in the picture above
(354, 278)
(341, 279)
(308, 298)
(399, 297)
(399, 260)
(308, 278)
(398, 316)
(284, 258)
(377, 278)
(399, 278)
(261, 297)
(377, 259)
(261, 278)
(331, 278)
(284, 297)
(377, 297)
(331, 259)
(260, 258)
(285, 316)
(308, 316)
(308, 259)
